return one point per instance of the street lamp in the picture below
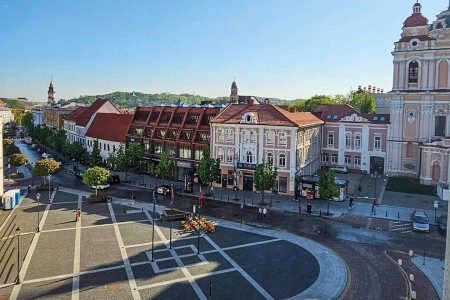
(32, 166)
(18, 254)
(49, 195)
(375, 176)
(38, 220)
(197, 227)
(153, 225)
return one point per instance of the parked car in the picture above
(78, 174)
(442, 224)
(101, 186)
(420, 221)
(114, 179)
(34, 146)
(340, 169)
(45, 155)
(163, 189)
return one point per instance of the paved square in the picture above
(108, 255)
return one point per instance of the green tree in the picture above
(327, 187)
(123, 163)
(95, 155)
(10, 150)
(313, 102)
(134, 154)
(112, 160)
(264, 178)
(77, 151)
(208, 168)
(60, 140)
(165, 166)
(363, 101)
(18, 160)
(45, 167)
(95, 176)
(27, 120)
(18, 117)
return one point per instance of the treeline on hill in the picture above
(12, 103)
(361, 100)
(133, 99)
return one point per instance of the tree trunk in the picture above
(328, 207)
(96, 191)
(262, 197)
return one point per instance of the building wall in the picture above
(106, 147)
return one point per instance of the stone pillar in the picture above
(446, 293)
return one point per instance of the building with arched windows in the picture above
(419, 143)
(246, 134)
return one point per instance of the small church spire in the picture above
(417, 7)
(51, 91)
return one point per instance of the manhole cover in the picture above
(112, 287)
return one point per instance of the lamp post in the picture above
(18, 254)
(32, 166)
(153, 226)
(375, 176)
(49, 194)
(38, 219)
(171, 213)
(197, 226)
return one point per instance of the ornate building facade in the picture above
(418, 143)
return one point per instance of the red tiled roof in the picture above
(109, 127)
(267, 114)
(416, 19)
(82, 115)
(335, 112)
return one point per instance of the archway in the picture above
(377, 165)
(436, 171)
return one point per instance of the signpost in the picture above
(242, 208)
(436, 205)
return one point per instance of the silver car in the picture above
(420, 221)
(339, 169)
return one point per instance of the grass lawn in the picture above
(409, 185)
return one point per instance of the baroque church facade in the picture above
(419, 135)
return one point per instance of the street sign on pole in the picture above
(436, 204)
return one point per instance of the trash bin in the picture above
(309, 208)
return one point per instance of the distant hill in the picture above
(133, 99)
(16, 103)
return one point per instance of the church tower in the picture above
(51, 92)
(234, 93)
(420, 99)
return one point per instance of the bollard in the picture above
(411, 277)
(124, 209)
(374, 211)
(235, 200)
(252, 201)
(244, 200)
(320, 213)
(441, 255)
(398, 215)
(386, 213)
(228, 198)
(142, 209)
(220, 197)
(134, 182)
(235, 196)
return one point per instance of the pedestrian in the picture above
(78, 215)
(264, 213)
(29, 188)
(200, 200)
(260, 213)
(350, 205)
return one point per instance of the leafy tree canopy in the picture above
(208, 168)
(363, 102)
(264, 177)
(327, 187)
(45, 167)
(18, 159)
(96, 159)
(95, 176)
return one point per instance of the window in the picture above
(325, 158)
(230, 135)
(375, 118)
(439, 125)
(357, 160)
(198, 153)
(114, 148)
(246, 136)
(413, 72)
(249, 157)
(282, 161)
(270, 137)
(220, 136)
(220, 154)
(329, 117)
(409, 149)
(334, 158)
(184, 151)
(383, 118)
(270, 159)
(330, 140)
(377, 143)
(282, 139)
(357, 141)
(283, 185)
(348, 140)
(252, 137)
(347, 160)
(230, 155)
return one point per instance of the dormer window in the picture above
(249, 118)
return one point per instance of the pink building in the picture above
(244, 135)
(353, 139)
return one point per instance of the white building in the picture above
(37, 117)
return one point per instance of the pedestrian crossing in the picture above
(400, 226)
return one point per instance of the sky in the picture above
(286, 49)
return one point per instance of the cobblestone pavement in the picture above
(107, 255)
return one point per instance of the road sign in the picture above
(436, 204)
(242, 206)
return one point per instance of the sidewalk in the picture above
(433, 269)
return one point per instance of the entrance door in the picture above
(377, 165)
(224, 180)
(248, 182)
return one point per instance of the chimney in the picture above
(369, 88)
(292, 109)
(251, 101)
(378, 90)
(359, 87)
(382, 91)
(364, 89)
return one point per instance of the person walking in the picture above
(264, 213)
(78, 215)
(260, 213)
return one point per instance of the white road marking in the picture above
(123, 252)
(76, 257)
(26, 263)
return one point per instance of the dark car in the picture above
(114, 179)
(45, 187)
(442, 224)
(163, 189)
